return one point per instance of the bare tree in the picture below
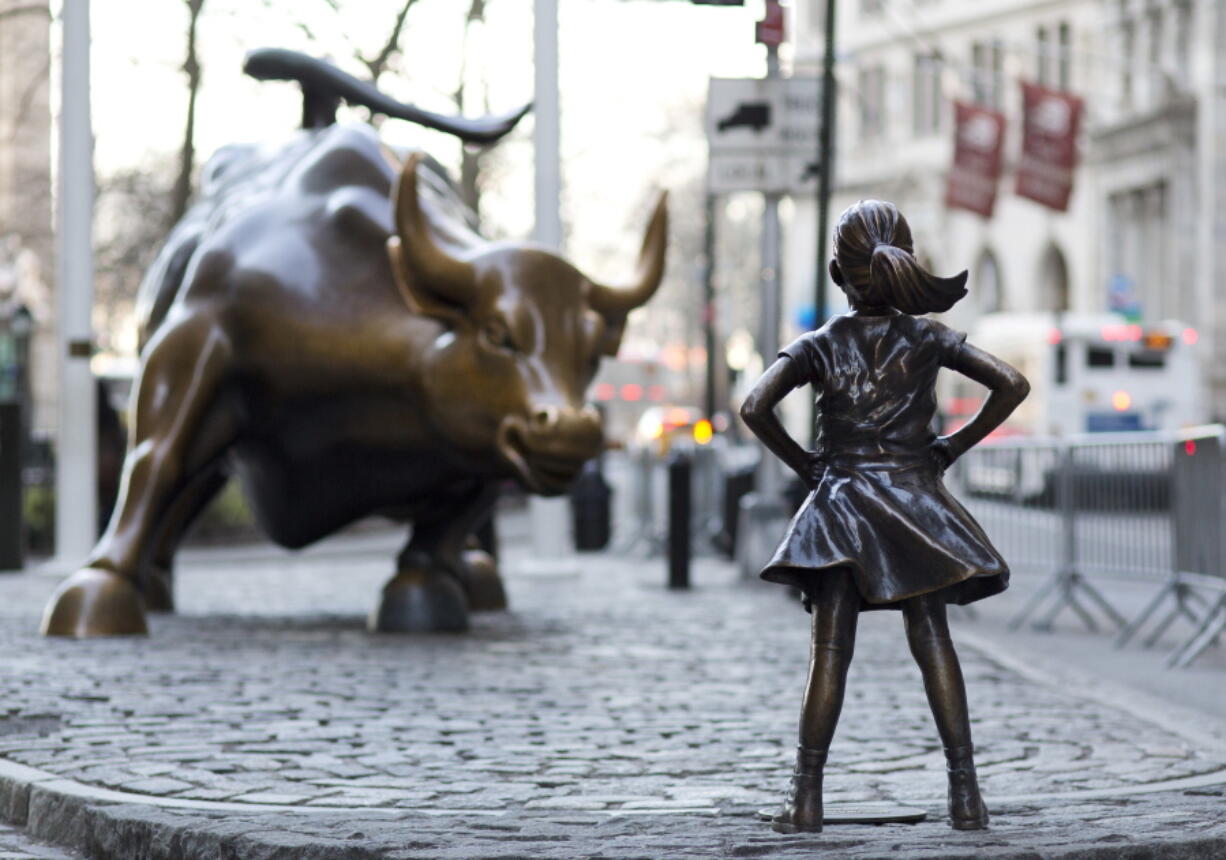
(470, 157)
(182, 191)
(132, 209)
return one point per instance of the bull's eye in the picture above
(498, 336)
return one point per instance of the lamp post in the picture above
(825, 155)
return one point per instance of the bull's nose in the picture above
(545, 418)
(578, 425)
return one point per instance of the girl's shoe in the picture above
(802, 811)
(966, 808)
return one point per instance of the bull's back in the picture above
(318, 205)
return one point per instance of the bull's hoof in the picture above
(94, 602)
(159, 589)
(482, 584)
(415, 601)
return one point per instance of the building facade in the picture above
(1144, 222)
(27, 263)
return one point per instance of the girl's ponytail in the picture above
(872, 246)
(906, 285)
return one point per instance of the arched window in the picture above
(987, 286)
(1054, 286)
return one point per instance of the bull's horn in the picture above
(621, 300)
(429, 265)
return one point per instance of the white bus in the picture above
(1089, 373)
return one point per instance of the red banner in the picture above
(979, 137)
(1050, 120)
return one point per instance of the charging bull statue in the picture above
(325, 326)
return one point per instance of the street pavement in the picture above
(603, 716)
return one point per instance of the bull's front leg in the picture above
(439, 580)
(179, 430)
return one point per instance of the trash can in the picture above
(590, 502)
(14, 348)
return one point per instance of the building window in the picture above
(1042, 50)
(1055, 295)
(1064, 56)
(1128, 36)
(987, 283)
(927, 99)
(1155, 36)
(987, 72)
(1183, 39)
(871, 7)
(1137, 246)
(872, 102)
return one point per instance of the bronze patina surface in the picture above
(878, 529)
(326, 326)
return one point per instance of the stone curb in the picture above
(107, 824)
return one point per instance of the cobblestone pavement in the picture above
(603, 717)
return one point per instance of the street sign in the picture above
(770, 172)
(762, 134)
(771, 30)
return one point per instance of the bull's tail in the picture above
(324, 86)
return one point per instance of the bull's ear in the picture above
(419, 300)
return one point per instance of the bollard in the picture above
(590, 501)
(11, 529)
(679, 475)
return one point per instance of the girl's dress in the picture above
(879, 507)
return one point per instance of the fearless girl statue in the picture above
(878, 529)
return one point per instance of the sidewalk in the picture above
(602, 717)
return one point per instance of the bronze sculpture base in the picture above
(416, 601)
(862, 813)
(94, 602)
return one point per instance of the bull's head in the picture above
(525, 331)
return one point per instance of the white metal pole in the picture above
(76, 447)
(770, 477)
(547, 137)
(549, 517)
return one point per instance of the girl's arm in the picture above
(758, 411)
(1007, 389)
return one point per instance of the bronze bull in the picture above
(326, 326)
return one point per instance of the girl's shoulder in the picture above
(947, 341)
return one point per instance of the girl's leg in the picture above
(928, 636)
(836, 607)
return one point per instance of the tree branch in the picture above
(187, 156)
(378, 64)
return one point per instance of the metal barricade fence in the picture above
(1109, 505)
(640, 480)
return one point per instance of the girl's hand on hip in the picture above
(814, 466)
(942, 453)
